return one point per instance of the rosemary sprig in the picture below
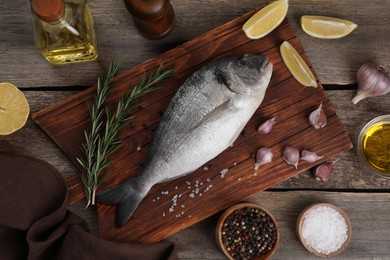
(102, 141)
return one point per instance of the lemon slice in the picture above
(14, 109)
(297, 66)
(326, 27)
(266, 20)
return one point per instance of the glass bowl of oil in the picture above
(374, 145)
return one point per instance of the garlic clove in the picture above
(372, 81)
(266, 127)
(264, 155)
(317, 118)
(323, 171)
(291, 156)
(309, 156)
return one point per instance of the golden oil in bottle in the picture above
(64, 30)
(375, 145)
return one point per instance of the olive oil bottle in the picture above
(64, 30)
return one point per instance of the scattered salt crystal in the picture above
(239, 179)
(200, 194)
(180, 195)
(183, 206)
(191, 195)
(163, 214)
(154, 200)
(201, 183)
(235, 164)
(138, 148)
(189, 216)
(223, 172)
(164, 192)
(180, 214)
(205, 168)
(208, 180)
(189, 187)
(158, 198)
(324, 229)
(176, 187)
(188, 183)
(255, 174)
(171, 209)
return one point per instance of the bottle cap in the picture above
(48, 10)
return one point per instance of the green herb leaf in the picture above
(101, 140)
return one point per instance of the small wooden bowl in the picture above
(229, 211)
(300, 222)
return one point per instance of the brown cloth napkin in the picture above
(35, 224)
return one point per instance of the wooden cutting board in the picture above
(204, 192)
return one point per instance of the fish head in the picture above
(250, 74)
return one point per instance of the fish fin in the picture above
(127, 208)
(126, 197)
(236, 134)
(218, 113)
(112, 196)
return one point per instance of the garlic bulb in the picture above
(266, 127)
(291, 156)
(264, 155)
(372, 81)
(317, 118)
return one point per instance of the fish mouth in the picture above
(266, 65)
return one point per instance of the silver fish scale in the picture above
(199, 95)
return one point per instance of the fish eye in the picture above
(243, 61)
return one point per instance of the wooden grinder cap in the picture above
(48, 10)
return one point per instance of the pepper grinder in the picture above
(154, 19)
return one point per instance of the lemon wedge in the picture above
(326, 27)
(297, 66)
(266, 20)
(14, 109)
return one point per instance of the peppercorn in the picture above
(248, 232)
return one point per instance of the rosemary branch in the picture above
(102, 141)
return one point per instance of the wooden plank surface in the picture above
(368, 213)
(336, 61)
(285, 98)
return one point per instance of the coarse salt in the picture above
(223, 172)
(324, 229)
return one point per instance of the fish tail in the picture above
(127, 198)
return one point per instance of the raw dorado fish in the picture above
(205, 117)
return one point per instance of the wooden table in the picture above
(362, 195)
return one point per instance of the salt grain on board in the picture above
(324, 229)
(223, 172)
